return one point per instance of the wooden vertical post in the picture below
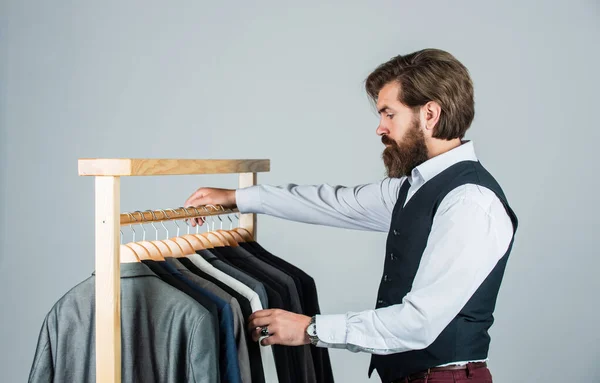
(108, 282)
(248, 221)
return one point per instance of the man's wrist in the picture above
(311, 331)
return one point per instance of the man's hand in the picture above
(211, 196)
(285, 328)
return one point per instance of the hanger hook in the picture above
(142, 224)
(186, 220)
(152, 223)
(211, 219)
(197, 213)
(163, 222)
(215, 209)
(131, 225)
(225, 213)
(219, 216)
(175, 220)
(229, 218)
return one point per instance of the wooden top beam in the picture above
(162, 167)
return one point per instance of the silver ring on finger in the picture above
(264, 331)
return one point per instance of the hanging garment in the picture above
(309, 300)
(284, 358)
(238, 317)
(304, 358)
(254, 353)
(236, 273)
(282, 286)
(228, 362)
(265, 354)
(179, 346)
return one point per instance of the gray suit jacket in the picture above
(166, 336)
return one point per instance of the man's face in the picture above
(401, 133)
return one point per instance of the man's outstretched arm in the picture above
(362, 207)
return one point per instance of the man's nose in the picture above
(381, 130)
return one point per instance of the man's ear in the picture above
(431, 113)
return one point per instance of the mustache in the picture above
(387, 141)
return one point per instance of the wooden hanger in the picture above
(163, 247)
(153, 250)
(128, 255)
(196, 243)
(176, 249)
(238, 238)
(228, 237)
(186, 246)
(244, 233)
(142, 253)
(207, 244)
(214, 239)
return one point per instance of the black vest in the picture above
(466, 337)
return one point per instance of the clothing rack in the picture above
(108, 219)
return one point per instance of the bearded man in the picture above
(450, 232)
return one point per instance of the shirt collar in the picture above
(434, 166)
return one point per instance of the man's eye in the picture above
(390, 116)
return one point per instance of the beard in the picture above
(401, 158)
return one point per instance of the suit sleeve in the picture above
(203, 353)
(42, 370)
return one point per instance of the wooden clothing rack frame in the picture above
(108, 219)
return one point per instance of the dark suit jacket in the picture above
(256, 368)
(309, 300)
(303, 364)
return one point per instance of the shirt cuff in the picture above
(331, 330)
(248, 200)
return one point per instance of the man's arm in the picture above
(362, 207)
(468, 237)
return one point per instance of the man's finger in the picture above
(259, 322)
(273, 339)
(260, 314)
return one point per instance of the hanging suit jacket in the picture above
(307, 290)
(266, 353)
(182, 330)
(239, 328)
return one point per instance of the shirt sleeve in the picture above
(468, 237)
(362, 207)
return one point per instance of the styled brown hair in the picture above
(430, 75)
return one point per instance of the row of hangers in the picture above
(180, 246)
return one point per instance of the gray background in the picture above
(284, 82)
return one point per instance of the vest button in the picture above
(392, 257)
(386, 278)
(380, 301)
(395, 232)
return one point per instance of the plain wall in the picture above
(284, 81)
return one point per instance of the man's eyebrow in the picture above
(384, 108)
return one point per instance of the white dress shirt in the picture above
(471, 231)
